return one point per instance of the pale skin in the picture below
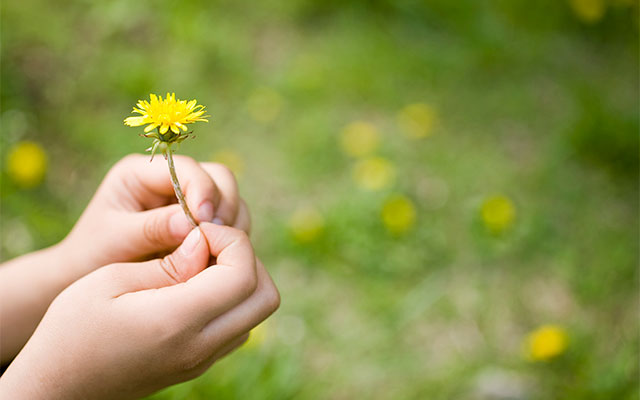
(130, 328)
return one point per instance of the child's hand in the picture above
(130, 218)
(127, 330)
(133, 217)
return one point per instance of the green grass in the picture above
(531, 102)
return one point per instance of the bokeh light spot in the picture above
(258, 336)
(359, 139)
(417, 120)
(374, 173)
(498, 213)
(546, 342)
(588, 11)
(306, 224)
(398, 214)
(27, 164)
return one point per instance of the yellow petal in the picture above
(164, 129)
(134, 121)
(150, 127)
(174, 128)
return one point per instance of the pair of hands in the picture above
(129, 329)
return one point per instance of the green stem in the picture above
(178, 190)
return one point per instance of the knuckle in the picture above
(224, 170)
(151, 232)
(247, 284)
(272, 299)
(171, 270)
(241, 236)
(108, 274)
(191, 360)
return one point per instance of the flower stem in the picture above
(178, 190)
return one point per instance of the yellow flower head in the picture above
(545, 343)
(398, 214)
(167, 113)
(588, 11)
(359, 139)
(374, 173)
(168, 116)
(417, 120)
(27, 164)
(306, 224)
(498, 213)
(258, 336)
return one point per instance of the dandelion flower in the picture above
(166, 114)
(257, 337)
(498, 213)
(374, 173)
(169, 117)
(417, 120)
(588, 11)
(27, 164)
(398, 214)
(359, 139)
(306, 224)
(546, 342)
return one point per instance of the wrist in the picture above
(62, 268)
(27, 378)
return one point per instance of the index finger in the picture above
(148, 184)
(219, 287)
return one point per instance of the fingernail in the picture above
(179, 226)
(190, 243)
(205, 211)
(217, 221)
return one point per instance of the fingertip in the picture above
(191, 242)
(229, 245)
(179, 225)
(192, 256)
(205, 211)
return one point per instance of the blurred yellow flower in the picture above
(359, 139)
(545, 343)
(417, 120)
(27, 164)
(264, 104)
(588, 11)
(374, 173)
(167, 113)
(398, 214)
(498, 213)
(306, 224)
(231, 159)
(257, 337)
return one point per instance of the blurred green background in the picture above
(446, 192)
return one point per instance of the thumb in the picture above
(191, 257)
(159, 229)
